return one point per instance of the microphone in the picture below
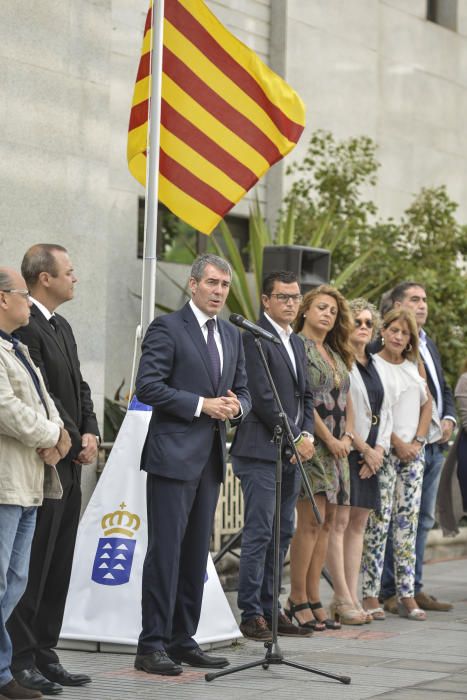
(259, 332)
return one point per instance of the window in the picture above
(176, 240)
(442, 12)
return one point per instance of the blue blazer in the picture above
(253, 437)
(449, 407)
(172, 375)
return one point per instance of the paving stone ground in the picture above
(395, 659)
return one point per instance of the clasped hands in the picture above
(372, 459)
(306, 450)
(53, 455)
(407, 451)
(222, 407)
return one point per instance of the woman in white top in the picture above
(400, 477)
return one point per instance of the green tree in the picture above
(370, 255)
(433, 248)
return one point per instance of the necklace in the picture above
(325, 353)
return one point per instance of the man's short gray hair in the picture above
(199, 265)
(5, 280)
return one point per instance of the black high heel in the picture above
(314, 625)
(328, 623)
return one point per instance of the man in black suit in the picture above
(192, 372)
(412, 295)
(35, 624)
(254, 454)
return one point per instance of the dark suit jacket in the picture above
(62, 375)
(449, 407)
(172, 375)
(253, 437)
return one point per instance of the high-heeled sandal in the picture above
(291, 614)
(327, 622)
(376, 613)
(366, 613)
(415, 614)
(345, 613)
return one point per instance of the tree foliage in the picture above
(427, 244)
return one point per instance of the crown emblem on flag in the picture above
(120, 521)
(114, 555)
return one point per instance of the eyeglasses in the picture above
(22, 292)
(367, 322)
(285, 298)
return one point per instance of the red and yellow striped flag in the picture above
(225, 116)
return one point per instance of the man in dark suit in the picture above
(192, 372)
(254, 454)
(412, 295)
(35, 624)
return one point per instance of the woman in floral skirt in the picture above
(400, 477)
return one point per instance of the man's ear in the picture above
(397, 305)
(43, 279)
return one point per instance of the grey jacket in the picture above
(24, 426)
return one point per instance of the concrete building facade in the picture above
(67, 67)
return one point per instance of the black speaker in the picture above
(311, 265)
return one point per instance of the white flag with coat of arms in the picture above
(104, 599)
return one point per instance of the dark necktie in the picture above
(58, 332)
(213, 353)
(19, 354)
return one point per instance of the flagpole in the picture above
(148, 288)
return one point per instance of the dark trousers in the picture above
(35, 624)
(180, 518)
(257, 478)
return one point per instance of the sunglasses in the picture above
(359, 322)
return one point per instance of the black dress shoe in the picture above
(157, 662)
(58, 674)
(33, 678)
(198, 657)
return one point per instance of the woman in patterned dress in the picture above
(400, 477)
(324, 323)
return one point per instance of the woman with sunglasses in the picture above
(324, 324)
(372, 433)
(400, 477)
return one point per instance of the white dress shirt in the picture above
(202, 318)
(284, 335)
(43, 309)
(428, 359)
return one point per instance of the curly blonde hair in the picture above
(360, 304)
(408, 316)
(338, 337)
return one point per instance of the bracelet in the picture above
(349, 435)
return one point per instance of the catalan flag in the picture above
(225, 116)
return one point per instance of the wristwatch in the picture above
(420, 439)
(302, 436)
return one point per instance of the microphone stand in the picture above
(274, 654)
